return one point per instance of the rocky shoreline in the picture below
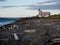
(38, 31)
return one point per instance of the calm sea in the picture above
(4, 21)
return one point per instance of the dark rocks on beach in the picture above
(38, 31)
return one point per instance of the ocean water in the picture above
(4, 21)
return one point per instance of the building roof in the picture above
(45, 13)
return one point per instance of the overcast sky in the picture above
(26, 8)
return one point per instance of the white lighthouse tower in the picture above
(39, 13)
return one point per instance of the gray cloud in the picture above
(50, 1)
(13, 6)
(45, 2)
(54, 6)
(45, 7)
(8, 6)
(2, 0)
(35, 7)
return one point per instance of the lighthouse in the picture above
(43, 14)
(39, 11)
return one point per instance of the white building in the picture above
(43, 14)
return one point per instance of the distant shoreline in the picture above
(32, 18)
